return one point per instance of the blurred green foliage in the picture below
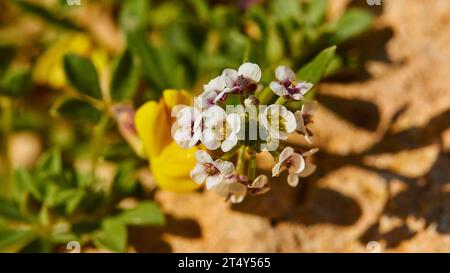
(176, 44)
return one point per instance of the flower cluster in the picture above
(228, 120)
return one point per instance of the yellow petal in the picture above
(153, 127)
(173, 98)
(49, 68)
(171, 168)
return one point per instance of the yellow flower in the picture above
(169, 163)
(49, 66)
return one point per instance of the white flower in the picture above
(216, 85)
(304, 117)
(205, 100)
(259, 185)
(232, 189)
(232, 131)
(291, 161)
(296, 165)
(210, 92)
(309, 169)
(278, 120)
(214, 122)
(209, 171)
(186, 131)
(245, 79)
(286, 85)
(217, 126)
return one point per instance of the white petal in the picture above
(226, 168)
(211, 139)
(277, 169)
(216, 85)
(234, 123)
(298, 163)
(292, 180)
(183, 138)
(300, 121)
(213, 181)
(229, 143)
(305, 87)
(263, 120)
(214, 117)
(238, 192)
(205, 100)
(259, 182)
(230, 77)
(284, 73)
(237, 198)
(222, 94)
(203, 157)
(176, 109)
(290, 123)
(195, 138)
(198, 174)
(296, 96)
(278, 89)
(310, 152)
(185, 116)
(308, 170)
(287, 152)
(250, 71)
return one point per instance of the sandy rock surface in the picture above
(383, 182)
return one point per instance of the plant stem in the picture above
(6, 127)
(251, 170)
(280, 100)
(97, 140)
(240, 165)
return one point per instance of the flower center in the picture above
(291, 86)
(242, 84)
(289, 162)
(211, 170)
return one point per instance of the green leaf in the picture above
(50, 163)
(125, 182)
(134, 15)
(12, 240)
(46, 15)
(317, 10)
(146, 56)
(82, 74)
(125, 78)
(25, 184)
(286, 9)
(10, 211)
(313, 71)
(113, 235)
(354, 22)
(145, 213)
(7, 53)
(77, 110)
(16, 83)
